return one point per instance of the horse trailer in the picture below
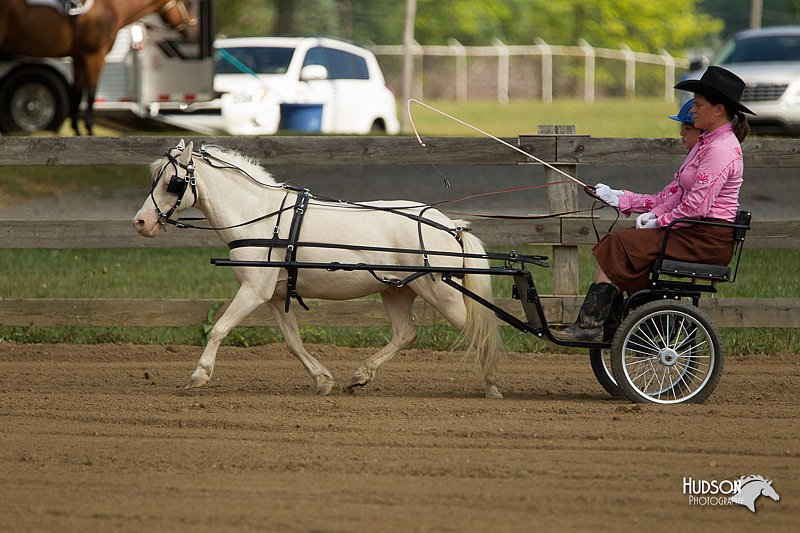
(150, 74)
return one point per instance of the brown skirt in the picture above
(627, 256)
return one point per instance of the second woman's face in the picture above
(689, 135)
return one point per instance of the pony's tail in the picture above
(484, 343)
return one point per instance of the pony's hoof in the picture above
(197, 381)
(357, 382)
(360, 378)
(355, 385)
(323, 389)
(493, 392)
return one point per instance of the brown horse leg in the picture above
(88, 118)
(76, 91)
(93, 66)
(75, 97)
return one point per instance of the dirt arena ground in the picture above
(103, 438)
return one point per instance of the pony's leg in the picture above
(450, 303)
(398, 303)
(244, 303)
(287, 322)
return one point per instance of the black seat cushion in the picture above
(693, 270)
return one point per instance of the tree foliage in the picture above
(641, 24)
(736, 13)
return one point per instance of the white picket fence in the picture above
(546, 52)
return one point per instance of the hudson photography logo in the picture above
(743, 491)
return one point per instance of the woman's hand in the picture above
(607, 194)
(646, 221)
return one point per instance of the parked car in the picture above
(311, 84)
(768, 60)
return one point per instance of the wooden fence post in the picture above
(562, 197)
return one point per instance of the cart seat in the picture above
(701, 271)
(693, 270)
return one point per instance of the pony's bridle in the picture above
(177, 185)
(187, 19)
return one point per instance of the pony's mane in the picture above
(250, 166)
(242, 161)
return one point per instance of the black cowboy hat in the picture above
(719, 84)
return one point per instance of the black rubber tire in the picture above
(667, 352)
(601, 366)
(33, 99)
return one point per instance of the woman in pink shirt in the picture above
(705, 187)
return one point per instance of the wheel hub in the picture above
(668, 356)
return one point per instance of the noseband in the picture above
(177, 185)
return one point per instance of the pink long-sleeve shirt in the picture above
(706, 185)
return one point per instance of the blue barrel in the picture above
(301, 117)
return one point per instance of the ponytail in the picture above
(741, 127)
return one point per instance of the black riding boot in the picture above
(597, 306)
(614, 317)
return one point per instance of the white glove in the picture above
(646, 221)
(608, 195)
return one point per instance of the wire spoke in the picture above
(648, 340)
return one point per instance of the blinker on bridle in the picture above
(177, 185)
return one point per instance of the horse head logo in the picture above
(751, 487)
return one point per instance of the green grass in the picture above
(639, 117)
(119, 273)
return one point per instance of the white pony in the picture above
(235, 194)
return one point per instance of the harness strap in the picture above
(275, 230)
(422, 242)
(291, 249)
(280, 243)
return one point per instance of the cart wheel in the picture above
(601, 366)
(667, 352)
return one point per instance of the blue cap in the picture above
(685, 115)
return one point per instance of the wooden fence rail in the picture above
(567, 151)
(345, 150)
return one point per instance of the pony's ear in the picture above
(186, 155)
(181, 145)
